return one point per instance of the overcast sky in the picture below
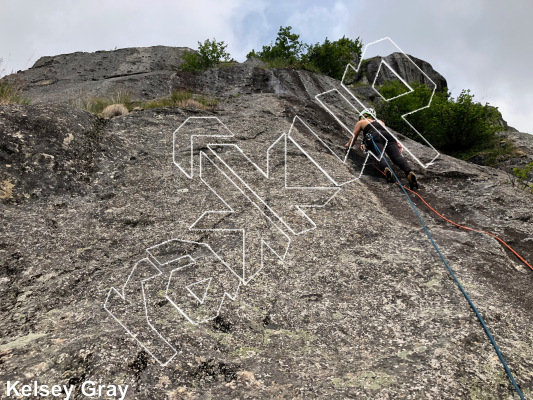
(482, 45)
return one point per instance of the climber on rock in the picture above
(375, 135)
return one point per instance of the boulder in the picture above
(421, 72)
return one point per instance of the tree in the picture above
(454, 126)
(331, 58)
(287, 48)
(208, 55)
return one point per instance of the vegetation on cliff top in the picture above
(328, 58)
(460, 127)
(210, 53)
(288, 51)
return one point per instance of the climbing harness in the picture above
(478, 315)
(369, 137)
(365, 150)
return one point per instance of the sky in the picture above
(481, 45)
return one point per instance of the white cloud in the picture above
(319, 21)
(55, 26)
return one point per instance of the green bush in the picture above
(331, 58)
(523, 175)
(328, 58)
(287, 49)
(454, 126)
(209, 54)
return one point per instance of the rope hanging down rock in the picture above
(478, 315)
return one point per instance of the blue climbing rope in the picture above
(478, 315)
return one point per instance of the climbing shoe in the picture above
(413, 184)
(388, 175)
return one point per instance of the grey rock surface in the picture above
(141, 72)
(361, 306)
(248, 78)
(401, 64)
(48, 149)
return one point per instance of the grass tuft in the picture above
(11, 90)
(11, 93)
(179, 99)
(97, 105)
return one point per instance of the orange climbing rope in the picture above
(465, 227)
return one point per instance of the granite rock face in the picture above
(524, 145)
(48, 149)
(248, 78)
(142, 72)
(346, 299)
(400, 65)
